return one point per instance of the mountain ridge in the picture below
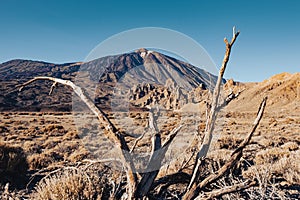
(128, 69)
(127, 72)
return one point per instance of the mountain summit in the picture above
(129, 70)
(144, 66)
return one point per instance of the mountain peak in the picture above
(143, 52)
(145, 65)
(140, 50)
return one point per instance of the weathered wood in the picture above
(235, 157)
(227, 190)
(154, 164)
(231, 96)
(156, 137)
(213, 112)
(136, 142)
(111, 131)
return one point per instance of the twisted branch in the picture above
(235, 157)
(111, 130)
(213, 112)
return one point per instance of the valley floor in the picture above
(49, 141)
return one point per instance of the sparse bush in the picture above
(13, 165)
(289, 168)
(285, 167)
(270, 155)
(291, 146)
(75, 183)
(78, 155)
(267, 187)
(39, 161)
(66, 185)
(54, 130)
(229, 142)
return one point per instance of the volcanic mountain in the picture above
(149, 67)
(127, 71)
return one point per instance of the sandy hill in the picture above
(282, 90)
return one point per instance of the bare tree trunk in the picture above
(111, 131)
(213, 113)
(154, 164)
(139, 189)
(235, 157)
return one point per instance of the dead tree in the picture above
(213, 113)
(137, 189)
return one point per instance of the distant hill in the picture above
(127, 70)
(135, 80)
(282, 90)
(15, 72)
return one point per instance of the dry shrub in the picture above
(33, 131)
(262, 173)
(71, 135)
(66, 147)
(286, 167)
(229, 142)
(78, 155)
(66, 185)
(267, 188)
(13, 164)
(3, 129)
(51, 143)
(270, 155)
(45, 159)
(291, 146)
(32, 147)
(220, 155)
(289, 168)
(54, 130)
(75, 183)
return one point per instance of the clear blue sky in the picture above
(65, 31)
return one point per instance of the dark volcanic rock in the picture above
(102, 78)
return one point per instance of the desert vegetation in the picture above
(255, 156)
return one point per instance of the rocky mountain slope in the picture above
(15, 72)
(108, 74)
(134, 80)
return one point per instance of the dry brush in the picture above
(139, 186)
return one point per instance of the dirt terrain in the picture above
(42, 142)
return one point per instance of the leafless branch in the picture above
(156, 137)
(227, 190)
(52, 87)
(136, 142)
(111, 130)
(155, 163)
(213, 112)
(235, 157)
(231, 96)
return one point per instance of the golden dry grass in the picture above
(50, 140)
